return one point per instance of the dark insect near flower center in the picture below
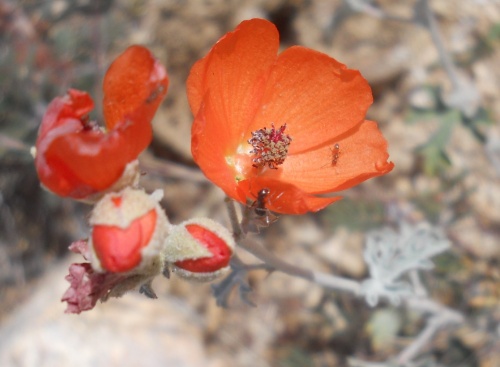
(257, 215)
(260, 204)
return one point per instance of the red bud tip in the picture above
(221, 252)
(198, 249)
(119, 249)
(117, 201)
(129, 229)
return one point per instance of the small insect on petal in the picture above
(335, 154)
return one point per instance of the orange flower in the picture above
(74, 157)
(293, 123)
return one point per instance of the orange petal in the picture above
(233, 75)
(210, 149)
(119, 249)
(362, 155)
(135, 83)
(76, 104)
(285, 198)
(316, 96)
(85, 162)
(64, 116)
(73, 161)
(76, 160)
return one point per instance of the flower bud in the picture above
(199, 249)
(128, 230)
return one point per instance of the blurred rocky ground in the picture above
(446, 147)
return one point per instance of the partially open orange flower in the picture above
(293, 123)
(74, 156)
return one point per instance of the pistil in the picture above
(270, 146)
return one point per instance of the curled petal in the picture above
(81, 247)
(285, 198)
(74, 157)
(77, 162)
(134, 85)
(86, 288)
(75, 105)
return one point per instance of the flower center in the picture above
(270, 146)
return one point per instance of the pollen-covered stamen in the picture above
(270, 146)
